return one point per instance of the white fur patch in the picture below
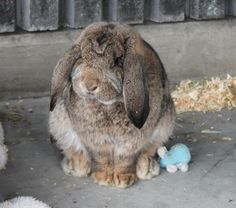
(163, 130)
(121, 150)
(23, 202)
(61, 128)
(110, 102)
(72, 140)
(116, 83)
(3, 156)
(3, 150)
(161, 134)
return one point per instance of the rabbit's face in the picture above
(108, 63)
(101, 80)
(110, 67)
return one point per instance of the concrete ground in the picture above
(34, 164)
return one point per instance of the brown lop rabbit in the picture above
(110, 106)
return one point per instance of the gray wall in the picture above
(188, 50)
(41, 15)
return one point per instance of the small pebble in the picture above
(194, 139)
(30, 110)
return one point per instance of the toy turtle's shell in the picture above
(178, 154)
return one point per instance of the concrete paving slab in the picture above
(34, 164)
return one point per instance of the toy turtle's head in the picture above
(166, 160)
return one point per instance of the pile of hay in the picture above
(210, 95)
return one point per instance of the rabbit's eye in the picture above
(118, 61)
(102, 39)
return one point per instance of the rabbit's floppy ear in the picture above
(135, 89)
(61, 73)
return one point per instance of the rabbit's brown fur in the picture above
(110, 106)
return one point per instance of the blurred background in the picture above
(35, 15)
(194, 38)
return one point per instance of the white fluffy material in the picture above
(3, 150)
(23, 202)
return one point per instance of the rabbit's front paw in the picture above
(103, 178)
(124, 180)
(76, 166)
(147, 167)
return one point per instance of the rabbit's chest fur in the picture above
(98, 124)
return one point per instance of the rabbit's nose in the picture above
(91, 86)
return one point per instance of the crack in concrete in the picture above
(213, 167)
